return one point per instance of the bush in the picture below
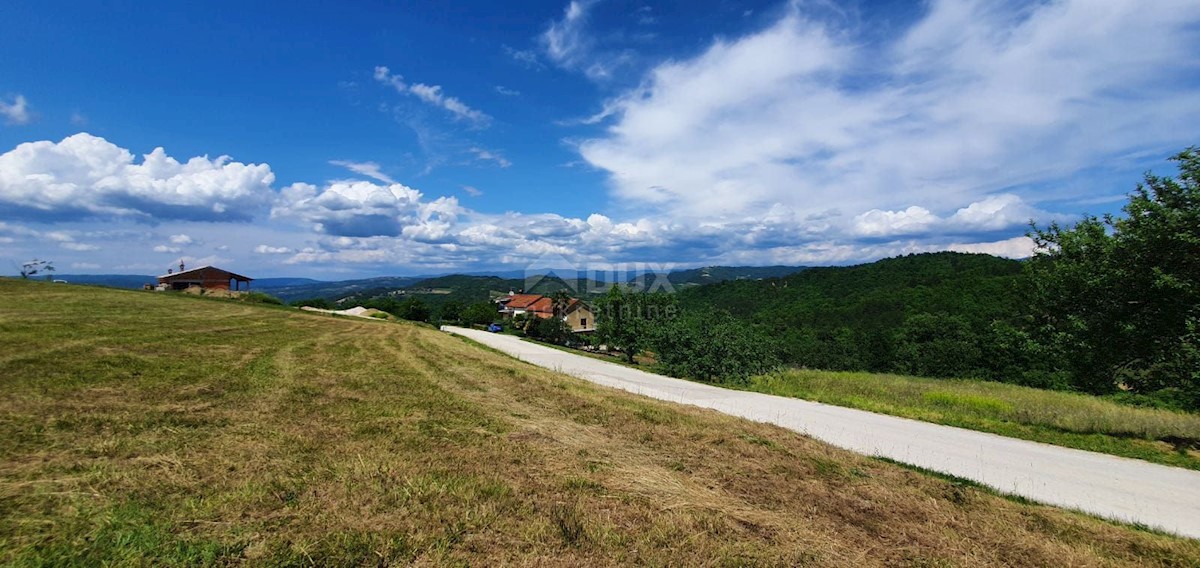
(319, 303)
(551, 330)
(261, 298)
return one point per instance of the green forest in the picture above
(1108, 306)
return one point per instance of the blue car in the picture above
(495, 328)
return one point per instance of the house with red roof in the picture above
(576, 312)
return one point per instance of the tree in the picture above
(413, 309)
(319, 303)
(1119, 298)
(480, 313)
(552, 330)
(561, 300)
(623, 317)
(452, 311)
(937, 345)
(712, 347)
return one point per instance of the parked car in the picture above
(495, 328)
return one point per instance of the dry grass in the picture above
(148, 429)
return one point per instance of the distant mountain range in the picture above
(476, 286)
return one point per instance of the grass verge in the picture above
(1060, 418)
(153, 429)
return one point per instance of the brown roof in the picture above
(204, 272)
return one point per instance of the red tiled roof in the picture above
(543, 304)
(522, 301)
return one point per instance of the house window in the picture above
(582, 322)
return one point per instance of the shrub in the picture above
(261, 298)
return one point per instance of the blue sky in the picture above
(411, 138)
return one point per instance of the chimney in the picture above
(181, 266)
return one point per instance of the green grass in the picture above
(1065, 419)
(150, 429)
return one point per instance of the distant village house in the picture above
(576, 312)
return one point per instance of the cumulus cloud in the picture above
(17, 111)
(886, 223)
(365, 209)
(1016, 247)
(998, 212)
(86, 176)
(267, 249)
(433, 95)
(166, 249)
(181, 239)
(369, 169)
(975, 99)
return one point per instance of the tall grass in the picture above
(1077, 420)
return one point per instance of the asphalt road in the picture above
(1125, 489)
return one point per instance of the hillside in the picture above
(714, 274)
(876, 316)
(140, 428)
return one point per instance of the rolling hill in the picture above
(142, 428)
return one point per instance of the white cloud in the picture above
(565, 40)
(181, 239)
(16, 112)
(976, 99)
(167, 249)
(79, 247)
(78, 119)
(85, 265)
(998, 212)
(472, 190)
(87, 176)
(568, 43)
(525, 57)
(432, 94)
(266, 249)
(507, 91)
(365, 209)
(489, 156)
(1016, 247)
(369, 169)
(875, 222)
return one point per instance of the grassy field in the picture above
(151, 429)
(1065, 419)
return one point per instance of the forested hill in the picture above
(714, 274)
(866, 317)
(876, 294)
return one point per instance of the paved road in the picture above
(1108, 486)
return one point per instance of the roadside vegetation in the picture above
(1072, 420)
(159, 429)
